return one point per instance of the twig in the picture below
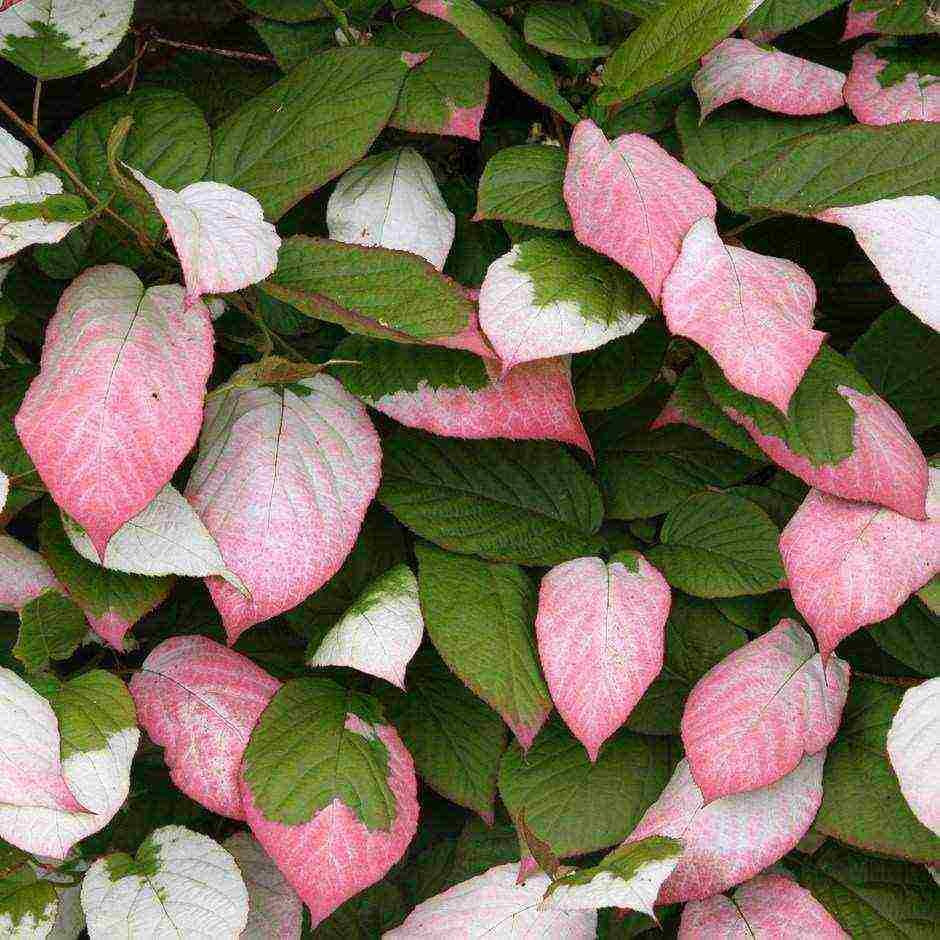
(341, 18)
(141, 46)
(36, 95)
(750, 223)
(153, 36)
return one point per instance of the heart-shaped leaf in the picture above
(24, 575)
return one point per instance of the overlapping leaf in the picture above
(887, 85)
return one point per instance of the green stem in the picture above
(750, 223)
(341, 18)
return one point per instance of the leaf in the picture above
(768, 904)
(526, 502)
(65, 770)
(180, 883)
(719, 545)
(766, 78)
(329, 791)
(29, 906)
(670, 39)
(455, 739)
(632, 201)
(754, 314)
(112, 601)
(274, 910)
(912, 635)
(24, 575)
(773, 17)
(838, 435)
(300, 133)
(374, 291)
(391, 200)
(445, 94)
(139, 361)
(863, 805)
(366, 915)
(550, 296)
(503, 46)
(899, 17)
(601, 640)
(480, 616)
(731, 839)
(912, 749)
(282, 482)
(562, 30)
(852, 564)
(754, 716)
(524, 184)
(293, 43)
(495, 902)
(199, 701)
(51, 628)
(894, 233)
(51, 40)
(219, 233)
(380, 633)
(577, 806)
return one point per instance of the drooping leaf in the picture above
(24, 575)
(180, 883)
(632, 201)
(773, 17)
(282, 482)
(51, 628)
(562, 29)
(199, 701)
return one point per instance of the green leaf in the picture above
(293, 43)
(301, 756)
(14, 461)
(454, 79)
(524, 185)
(28, 905)
(912, 635)
(902, 17)
(455, 739)
(365, 916)
(562, 29)
(377, 292)
(669, 40)
(654, 471)
(480, 616)
(718, 545)
(930, 595)
(576, 806)
(62, 208)
(91, 709)
(900, 356)
(289, 11)
(652, 110)
(51, 628)
(305, 130)
(779, 497)
(862, 802)
(698, 636)
(780, 16)
(528, 502)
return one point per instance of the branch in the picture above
(154, 36)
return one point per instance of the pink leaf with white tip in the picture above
(766, 78)
(282, 482)
(108, 440)
(630, 200)
(853, 564)
(859, 22)
(914, 751)
(24, 574)
(736, 837)
(916, 97)
(900, 236)
(751, 718)
(770, 905)
(600, 630)
(199, 701)
(753, 313)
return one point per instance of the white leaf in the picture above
(392, 200)
(24, 574)
(180, 885)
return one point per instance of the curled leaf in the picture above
(888, 86)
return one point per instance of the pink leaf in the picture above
(632, 201)
(465, 122)
(859, 22)
(335, 855)
(108, 440)
(751, 718)
(282, 483)
(471, 337)
(770, 905)
(915, 98)
(24, 574)
(766, 78)
(900, 237)
(852, 564)
(6, 4)
(753, 313)
(734, 838)
(600, 630)
(199, 701)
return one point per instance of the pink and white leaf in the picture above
(494, 906)
(632, 201)
(753, 313)
(900, 236)
(600, 630)
(769, 905)
(220, 235)
(734, 838)
(200, 701)
(915, 98)
(24, 574)
(471, 337)
(852, 564)
(108, 439)
(282, 482)
(859, 22)
(751, 718)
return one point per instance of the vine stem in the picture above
(153, 36)
(342, 20)
(36, 96)
(750, 223)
